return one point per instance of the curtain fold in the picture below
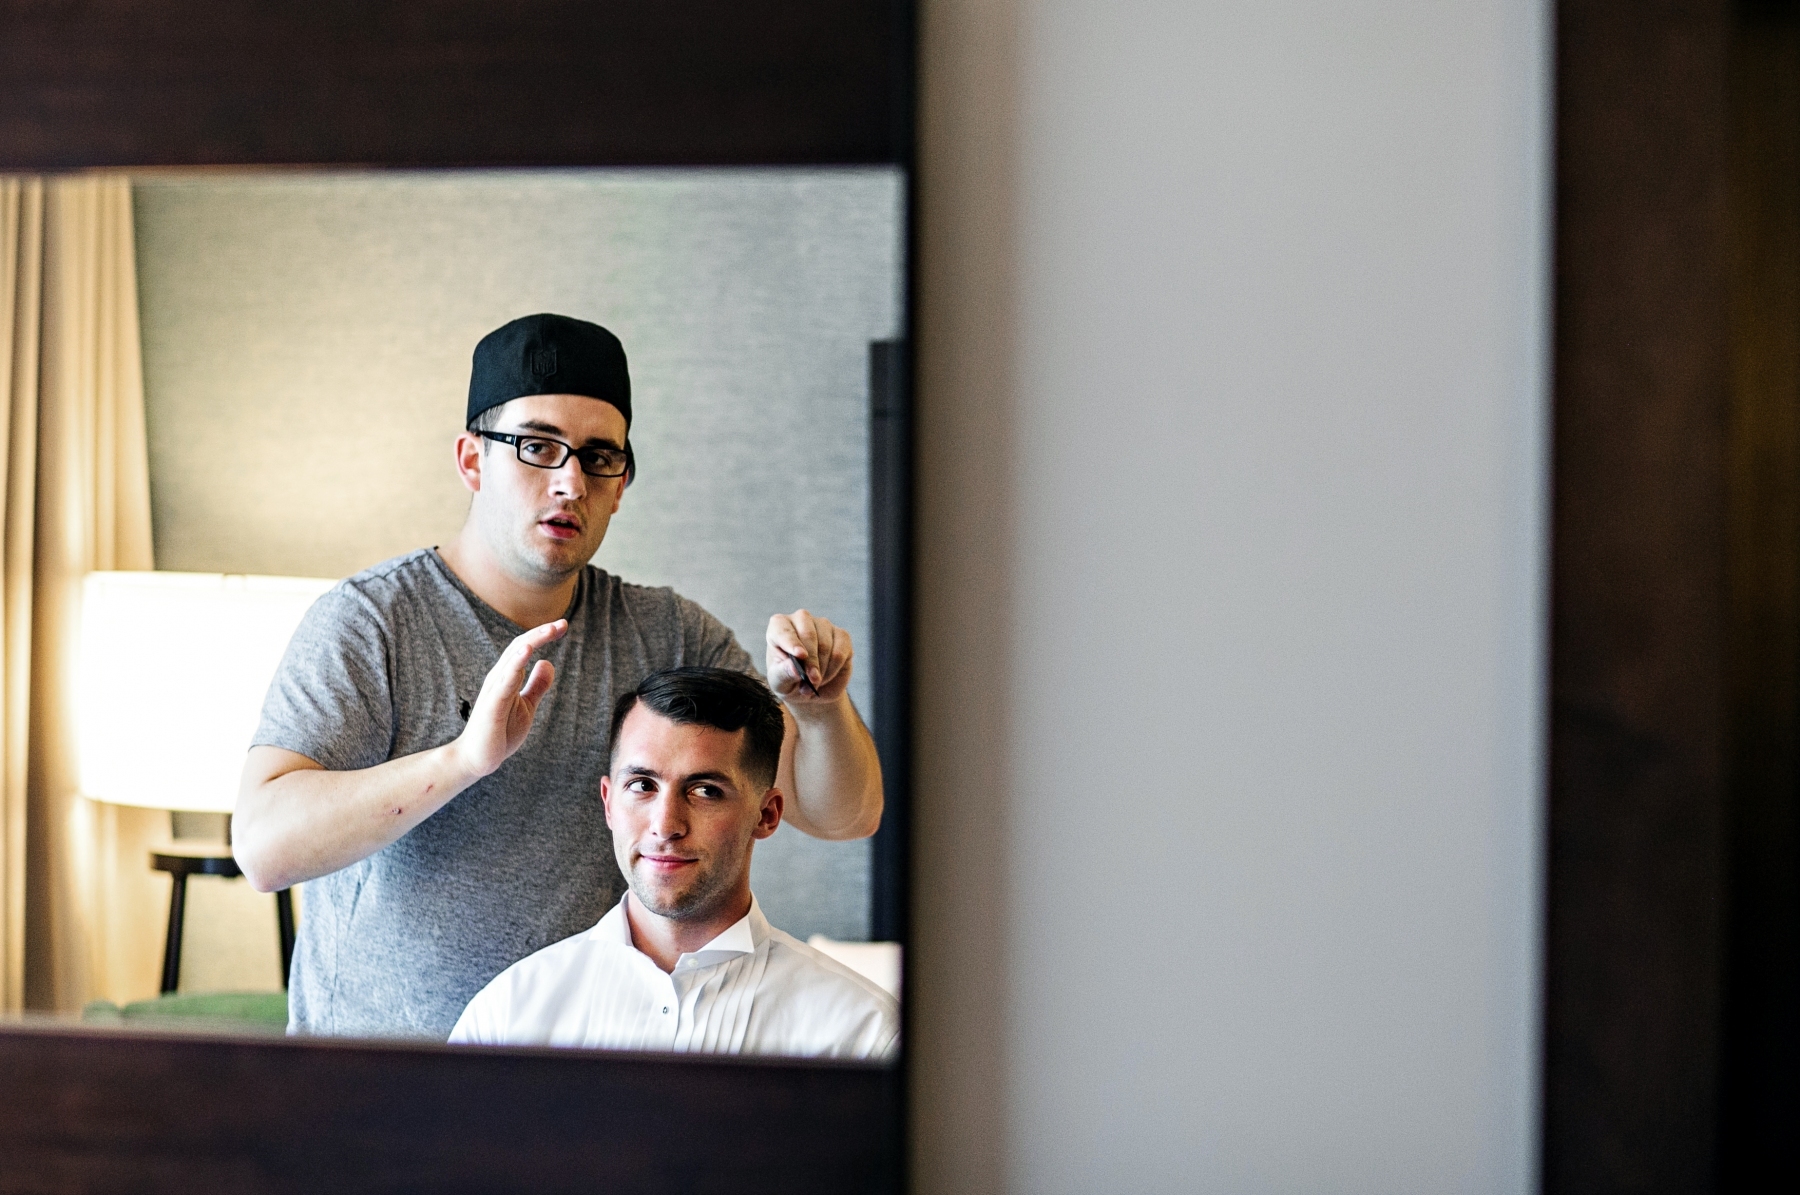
(21, 271)
(93, 911)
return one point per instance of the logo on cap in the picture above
(543, 361)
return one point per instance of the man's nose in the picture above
(568, 480)
(668, 818)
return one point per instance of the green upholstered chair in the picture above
(247, 1012)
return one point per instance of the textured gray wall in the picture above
(306, 350)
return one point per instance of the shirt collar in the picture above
(613, 927)
(743, 936)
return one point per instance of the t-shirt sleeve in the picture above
(712, 643)
(332, 699)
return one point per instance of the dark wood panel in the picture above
(89, 1111)
(453, 82)
(1760, 1072)
(1639, 611)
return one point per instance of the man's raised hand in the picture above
(803, 641)
(501, 716)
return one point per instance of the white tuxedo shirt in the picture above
(751, 990)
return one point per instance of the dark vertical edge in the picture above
(904, 109)
(284, 929)
(171, 968)
(1760, 1075)
(890, 558)
(893, 419)
(1635, 864)
(890, 520)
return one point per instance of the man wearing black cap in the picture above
(438, 788)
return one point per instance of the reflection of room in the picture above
(170, 677)
(305, 343)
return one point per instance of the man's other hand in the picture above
(804, 641)
(501, 716)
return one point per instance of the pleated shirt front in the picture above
(751, 990)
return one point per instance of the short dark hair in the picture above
(717, 697)
(486, 420)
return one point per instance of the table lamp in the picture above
(171, 673)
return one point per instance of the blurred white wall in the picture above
(1233, 506)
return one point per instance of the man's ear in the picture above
(606, 798)
(468, 460)
(768, 818)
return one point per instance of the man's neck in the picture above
(664, 939)
(527, 604)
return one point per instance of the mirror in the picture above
(306, 346)
(569, 84)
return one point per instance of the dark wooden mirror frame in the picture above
(1643, 1051)
(474, 83)
(1672, 927)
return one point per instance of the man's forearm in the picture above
(834, 782)
(295, 821)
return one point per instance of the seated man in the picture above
(686, 961)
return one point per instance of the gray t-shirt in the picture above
(385, 665)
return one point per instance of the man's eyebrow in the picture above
(719, 777)
(550, 429)
(640, 769)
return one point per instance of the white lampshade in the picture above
(173, 669)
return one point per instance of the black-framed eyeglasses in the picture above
(542, 452)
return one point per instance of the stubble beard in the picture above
(696, 901)
(530, 560)
(542, 572)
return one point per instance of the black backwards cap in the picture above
(551, 354)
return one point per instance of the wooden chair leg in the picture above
(171, 976)
(284, 921)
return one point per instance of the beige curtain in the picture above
(21, 262)
(84, 919)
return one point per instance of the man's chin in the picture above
(669, 910)
(555, 563)
(681, 903)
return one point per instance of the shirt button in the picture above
(665, 1010)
